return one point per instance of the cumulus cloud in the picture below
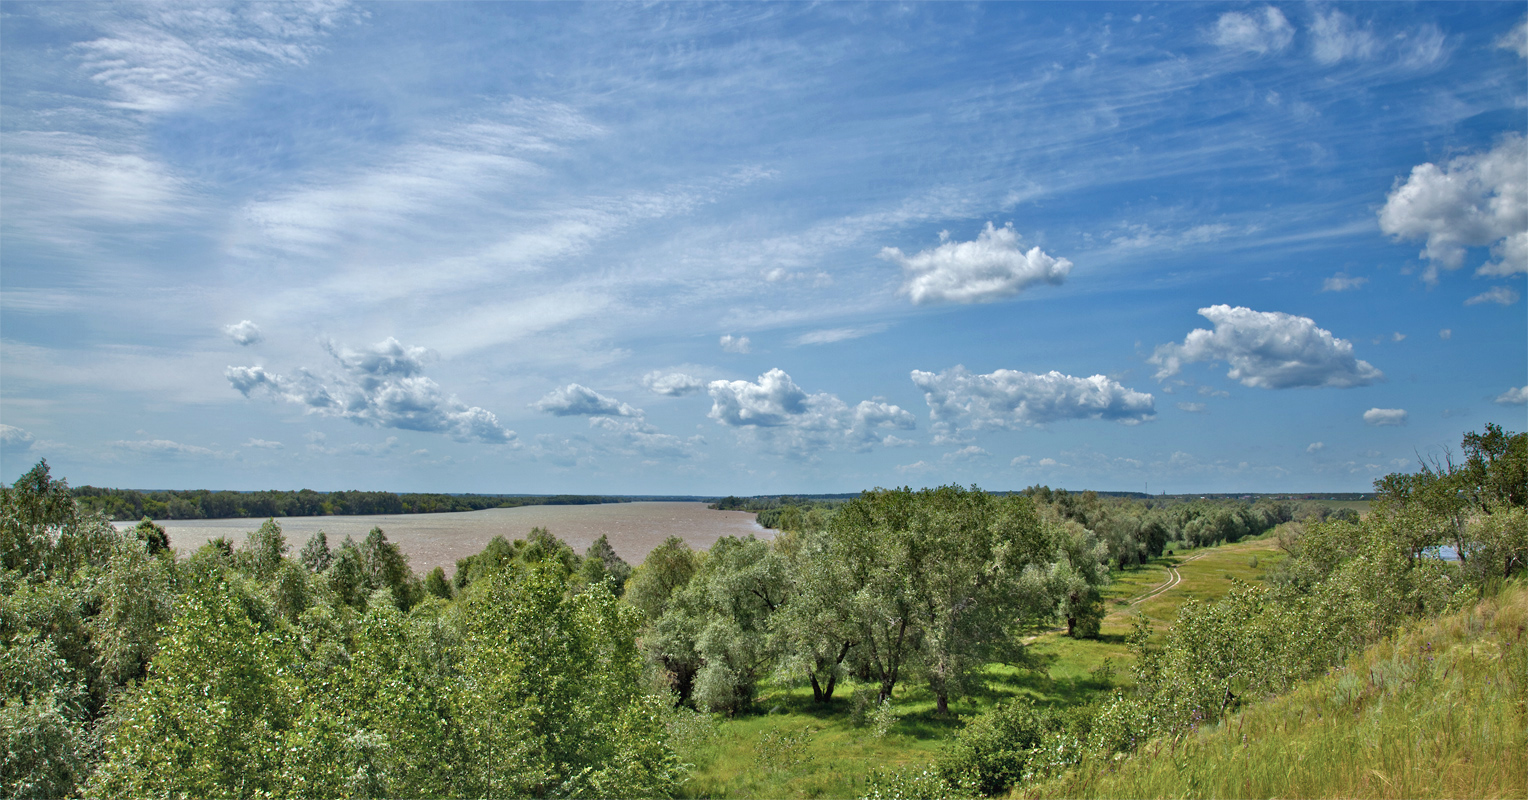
(1502, 295)
(1315, 447)
(1255, 32)
(967, 453)
(960, 400)
(735, 344)
(1268, 350)
(672, 384)
(576, 400)
(1342, 283)
(1513, 397)
(787, 415)
(245, 333)
(14, 438)
(1192, 408)
(1335, 37)
(380, 386)
(1385, 416)
(263, 444)
(991, 268)
(1474, 200)
(1445, 334)
(1516, 39)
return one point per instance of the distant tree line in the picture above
(130, 504)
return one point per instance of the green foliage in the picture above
(315, 554)
(601, 564)
(993, 752)
(208, 720)
(666, 570)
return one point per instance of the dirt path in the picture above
(1173, 579)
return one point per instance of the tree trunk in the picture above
(817, 696)
(1071, 626)
(827, 694)
(942, 704)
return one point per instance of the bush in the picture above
(993, 753)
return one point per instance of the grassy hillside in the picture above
(1435, 711)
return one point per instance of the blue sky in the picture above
(698, 248)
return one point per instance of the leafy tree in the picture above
(601, 562)
(549, 696)
(315, 554)
(157, 539)
(208, 719)
(264, 550)
(666, 569)
(436, 584)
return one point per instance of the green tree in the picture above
(208, 719)
(665, 570)
(315, 554)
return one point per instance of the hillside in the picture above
(1437, 710)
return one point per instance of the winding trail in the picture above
(1173, 579)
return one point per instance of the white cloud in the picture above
(1472, 201)
(672, 384)
(159, 58)
(1342, 283)
(735, 344)
(1516, 39)
(1385, 416)
(967, 453)
(832, 335)
(915, 467)
(577, 400)
(959, 400)
(991, 268)
(14, 438)
(1397, 337)
(263, 444)
(245, 333)
(1253, 32)
(381, 386)
(1047, 462)
(1445, 334)
(638, 437)
(164, 447)
(1503, 295)
(1268, 350)
(1315, 447)
(1335, 37)
(1513, 397)
(785, 414)
(1192, 408)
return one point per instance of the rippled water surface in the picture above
(432, 540)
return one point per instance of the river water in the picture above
(431, 540)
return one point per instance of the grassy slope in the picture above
(1440, 710)
(798, 750)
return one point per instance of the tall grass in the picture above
(1438, 710)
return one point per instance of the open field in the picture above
(431, 540)
(792, 748)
